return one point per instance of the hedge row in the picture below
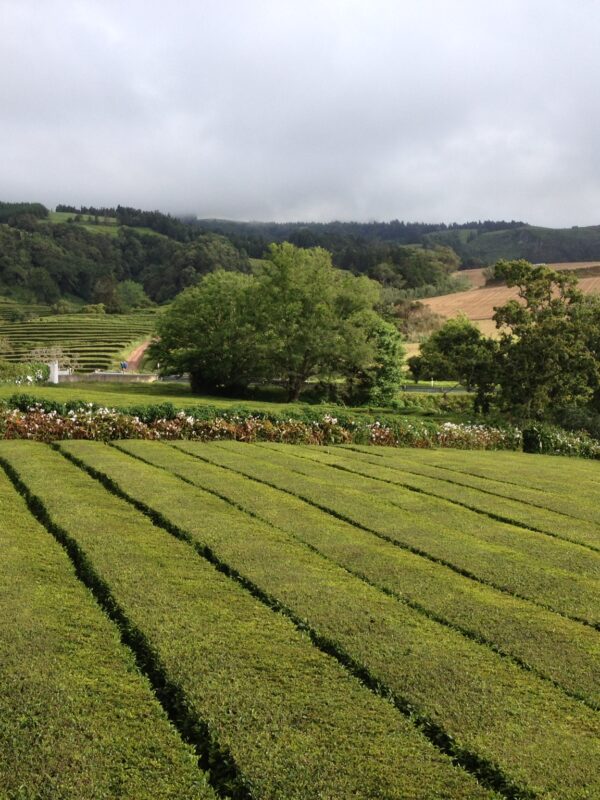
(563, 494)
(76, 718)
(423, 524)
(537, 520)
(493, 520)
(562, 515)
(22, 416)
(372, 426)
(502, 527)
(346, 418)
(286, 720)
(445, 679)
(574, 481)
(563, 651)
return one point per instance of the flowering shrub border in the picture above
(549, 439)
(24, 373)
(26, 417)
(105, 424)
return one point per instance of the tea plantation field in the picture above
(212, 620)
(8, 308)
(94, 341)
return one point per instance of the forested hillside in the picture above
(360, 246)
(86, 254)
(43, 260)
(539, 245)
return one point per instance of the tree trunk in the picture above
(294, 389)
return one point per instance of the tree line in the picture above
(256, 236)
(545, 362)
(45, 261)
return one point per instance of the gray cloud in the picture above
(300, 109)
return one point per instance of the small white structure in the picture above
(55, 372)
(53, 378)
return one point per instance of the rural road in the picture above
(135, 358)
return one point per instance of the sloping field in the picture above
(93, 340)
(479, 304)
(106, 225)
(478, 276)
(9, 307)
(315, 622)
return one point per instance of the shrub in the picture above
(23, 373)
(23, 419)
(93, 308)
(543, 438)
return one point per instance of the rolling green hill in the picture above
(532, 243)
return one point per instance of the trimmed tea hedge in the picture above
(443, 677)
(507, 559)
(286, 720)
(77, 720)
(561, 650)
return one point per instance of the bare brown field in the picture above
(478, 304)
(477, 276)
(411, 349)
(574, 265)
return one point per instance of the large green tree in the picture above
(547, 357)
(295, 318)
(209, 331)
(379, 380)
(459, 351)
(548, 353)
(316, 319)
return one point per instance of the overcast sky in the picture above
(432, 110)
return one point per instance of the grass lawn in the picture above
(118, 394)
(108, 225)
(133, 394)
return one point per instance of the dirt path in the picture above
(135, 357)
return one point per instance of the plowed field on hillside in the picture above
(478, 304)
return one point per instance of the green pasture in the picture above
(122, 395)
(106, 225)
(315, 622)
(114, 394)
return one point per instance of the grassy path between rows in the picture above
(77, 720)
(278, 717)
(522, 733)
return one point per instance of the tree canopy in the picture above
(547, 356)
(296, 317)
